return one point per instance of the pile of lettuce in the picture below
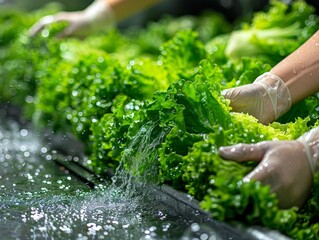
(149, 99)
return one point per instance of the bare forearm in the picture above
(300, 70)
(125, 8)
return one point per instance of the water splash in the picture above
(39, 201)
(138, 164)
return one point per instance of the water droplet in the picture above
(74, 93)
(45, 33)
(195, 227)
(100, 59)
(44, 150)
(246, 180)
(29, 99)
(23, 148)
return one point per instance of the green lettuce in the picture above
(149, 101)
(275, 33)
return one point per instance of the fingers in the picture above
(232, 93)
(239, 95)
(40, 25)
(285, 169)
(68, 17)
(45, 21)
(251, 99)
(66, 32)
(73, 30)
(245, 152)
(260, 174)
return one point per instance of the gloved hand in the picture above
(94, 18)
(287, 166)
(267, 98)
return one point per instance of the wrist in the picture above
(310, 140)
(277, 92)
(100, 15)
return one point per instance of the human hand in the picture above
(267, 98)
(287, 166)
(94, 18)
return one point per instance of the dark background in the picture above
(231, 9)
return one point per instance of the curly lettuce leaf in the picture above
(274, 33)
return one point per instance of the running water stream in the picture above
(138, 162)
(41, 200)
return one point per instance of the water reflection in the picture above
(39, 201)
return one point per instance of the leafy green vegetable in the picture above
(148, 100)
(208, 25)
(276, 33)
(182, 54)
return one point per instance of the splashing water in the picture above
(138, 163)
(39, 201)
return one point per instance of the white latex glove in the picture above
(267, 98)
(287, 166)
(94, 18)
